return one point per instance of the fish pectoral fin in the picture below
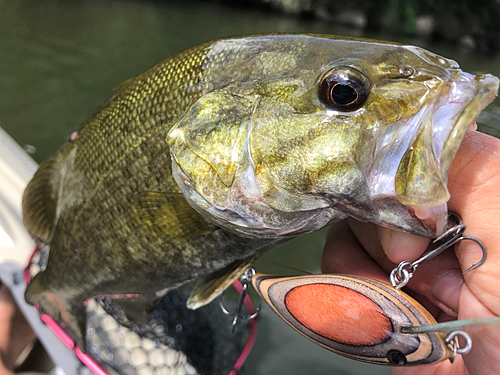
(41, 197)
(214, 284)
(137, 309)
(169, 213)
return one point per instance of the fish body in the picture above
(220, 152)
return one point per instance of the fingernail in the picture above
(447, 291)
(399, 246)
(385, 236)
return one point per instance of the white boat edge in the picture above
(16, 247)
(16, 169)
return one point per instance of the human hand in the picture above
(368, 250)
(15, 333)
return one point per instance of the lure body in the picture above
(356, 317)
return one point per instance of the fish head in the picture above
(331, 129)
(406, 113)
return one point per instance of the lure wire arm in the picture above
(450, 326)
(451, 338)
(245, 280)
(401, 274)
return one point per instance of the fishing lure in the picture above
(360, 318)
(365, 319)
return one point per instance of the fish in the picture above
(197, 166)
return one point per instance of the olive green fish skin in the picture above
(101, 244)
(116, 216)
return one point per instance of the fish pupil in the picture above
(396, 357)
(343, 94)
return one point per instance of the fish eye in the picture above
(396, 357)
(344, 88)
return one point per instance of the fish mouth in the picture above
(418, 167)
(462, 102)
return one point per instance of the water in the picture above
(59, 60)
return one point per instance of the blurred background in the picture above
(59, 60)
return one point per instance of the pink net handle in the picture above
(252, 335)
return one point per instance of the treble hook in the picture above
(245, 280)
(404, 271)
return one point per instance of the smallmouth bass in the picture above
(218, 153)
